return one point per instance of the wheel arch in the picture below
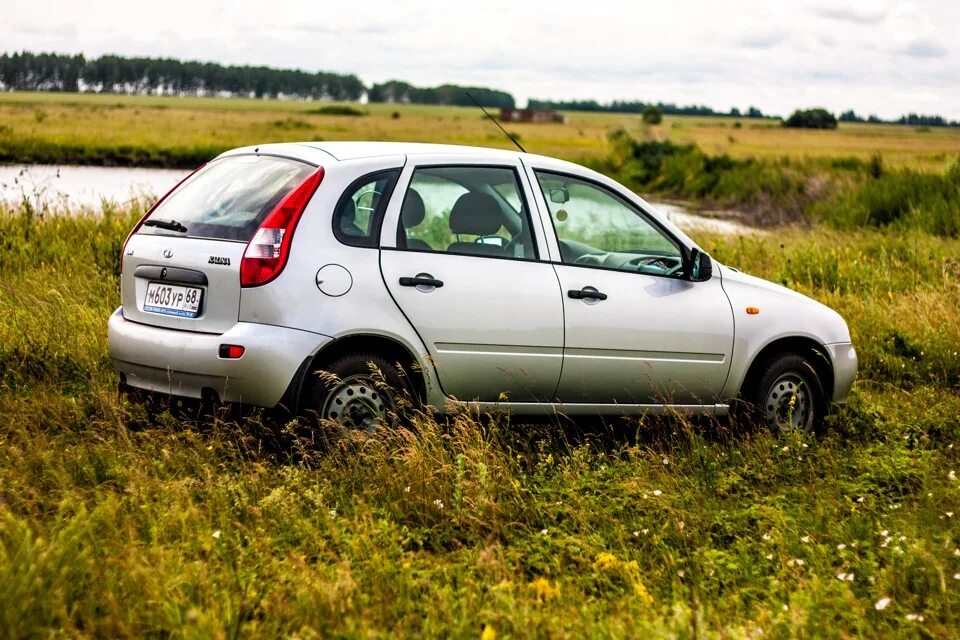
(799, 345)
(390, 348)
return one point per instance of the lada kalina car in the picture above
(328, 278)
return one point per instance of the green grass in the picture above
(116, 524)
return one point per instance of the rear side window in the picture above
(356, 220)
(228, 198)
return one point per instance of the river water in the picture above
(71, 187)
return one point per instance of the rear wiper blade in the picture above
(172, 225)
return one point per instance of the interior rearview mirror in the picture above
(496, 241)
(699, 267)
(560, 195)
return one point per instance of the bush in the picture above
(653, 115)
(336, 110)
(811, 119)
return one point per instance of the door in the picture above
(637, 330)
(461, 260)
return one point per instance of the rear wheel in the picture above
(359, 391)
(786, 393)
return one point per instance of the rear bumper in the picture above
(844, 359)
(182, 363)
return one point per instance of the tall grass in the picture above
(116, 523)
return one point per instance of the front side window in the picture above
(466, 210)
(597, 228)
(356, 220)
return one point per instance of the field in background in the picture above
(117, 524)
(112, 129)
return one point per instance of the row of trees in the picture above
(637, 106)
(398, 91)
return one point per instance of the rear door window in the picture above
(228, 198)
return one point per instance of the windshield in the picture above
(228, 198)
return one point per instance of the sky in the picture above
(883, 58)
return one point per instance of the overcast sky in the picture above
(881, 57)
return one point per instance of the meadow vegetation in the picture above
(183, 132)
(115, 522)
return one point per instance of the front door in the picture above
(637, 331)
(464, 268)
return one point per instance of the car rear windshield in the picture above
(228, 198)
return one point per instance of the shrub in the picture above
(811, 119)
(337, 110)
(653, 115)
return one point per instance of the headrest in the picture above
(412, 212)
(476, 214)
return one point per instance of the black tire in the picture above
(358, 390)
(785, 391)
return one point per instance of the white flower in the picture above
(216, 534)
(439, 503)
(666, 461)
(657, 492)
(766, 536)
(636, 534)
(796, 561)
(841, 547)
(406, 489)
(956, 576)
(886, 541)
(841, 576)
(805, 539)
(333, 513)
(881, 604)
(914, 617)
(860, 499)
(850, 577)
(884, 533)
(769, 556)
(680, 573)
(952, 475)
(785, 448)
(786, 608)
(949, 514)
(544, 532)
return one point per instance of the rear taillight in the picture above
(267, 252)
(136, 227)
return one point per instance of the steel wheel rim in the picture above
(358, 403)
(788, 402)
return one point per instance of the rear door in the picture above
(461, 260)
(181, 267)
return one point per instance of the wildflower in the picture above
(795, 561)
(850, 577)
(805, 539)
(956, 576)
(216, 534)
(439, 503)
(544, 532)
(881, 604)
(333, 513)
(841, 547)
(657, 492)
(884, 533)
(488, 633)
(666, 461)
(860, 499)
(681, 573)
(636, 534)
(785, 448)
(543, 590)
(406, 489)
(949, 514)
(915, 617)
(841, 576)
(766, 536)
(952, 475)
(769, 556)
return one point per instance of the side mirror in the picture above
(699, 266)
(560, 195)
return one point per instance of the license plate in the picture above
(172, 300)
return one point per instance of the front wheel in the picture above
(787, 393)
(359, 391)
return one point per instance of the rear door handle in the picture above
(586, 293)
(421, 280)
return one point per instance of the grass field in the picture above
(115, 524)
(170, 131)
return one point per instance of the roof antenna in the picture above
(494, 121)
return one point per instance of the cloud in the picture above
(851, 15)
(761, 40)
(923, 49)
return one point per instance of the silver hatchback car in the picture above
(287, 274)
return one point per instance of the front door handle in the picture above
(420, 280)
(588, 293)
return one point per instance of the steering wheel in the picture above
(667, 266)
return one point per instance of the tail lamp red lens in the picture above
(231, 351)
(143, 218)
(268, 250)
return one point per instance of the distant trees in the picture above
(811, 119)
(448, 94)
(637, 106)
(118, 74)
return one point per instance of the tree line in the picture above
(139, 75)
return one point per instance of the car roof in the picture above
(342, 151)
